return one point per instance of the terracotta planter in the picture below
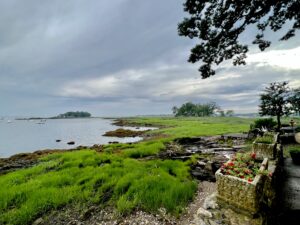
(240, 194)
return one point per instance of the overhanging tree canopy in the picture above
(219, 23)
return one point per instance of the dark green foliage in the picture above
(76, 114)
(268, 123)
(295, 150)
(198, 110)
(295, 154)
(275, 101)
(218, 25)
(265, 139)
(229, 113)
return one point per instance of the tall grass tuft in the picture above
(89, 177)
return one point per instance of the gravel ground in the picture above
(96, 216)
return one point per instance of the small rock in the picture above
(201, 163)
(211, 222)
(88, 213)
(71, 143)
(204, 213)
(74, 222)
(208, 166)
(57, 140)
(38, 221)
(199, 221)
(210, 202)
(202, 174)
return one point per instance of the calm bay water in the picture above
(28, 136)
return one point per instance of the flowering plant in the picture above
(244, 166)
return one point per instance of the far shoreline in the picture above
(59, 118)
(28, 159)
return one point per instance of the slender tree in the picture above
(229, 113)
(219, 23)
(274, 101)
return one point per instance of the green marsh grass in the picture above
(176, 127)
(87, 176)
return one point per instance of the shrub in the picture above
(268, 123)
(295, 150)
(295, 154)
(268, 139)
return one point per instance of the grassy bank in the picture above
(189, 127)
(115, 177)
(89, 177)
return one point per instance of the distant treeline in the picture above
(200, 110)
(74, 115)
(191, 109)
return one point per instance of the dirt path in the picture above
(205, 189)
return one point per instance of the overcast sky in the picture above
(120, 57)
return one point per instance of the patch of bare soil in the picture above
(124, 133)
(122, 123)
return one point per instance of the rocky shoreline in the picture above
(127, 123)
(26, 160)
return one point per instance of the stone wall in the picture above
(240, 194)
(273, 180)
(249, 199)
(263, 150)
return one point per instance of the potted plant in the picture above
(240, 182)
(295, 154)
(265, 146)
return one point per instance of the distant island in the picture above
(67, 115)
(76, 114)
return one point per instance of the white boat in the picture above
(9, 121)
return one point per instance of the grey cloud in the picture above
(53, 53)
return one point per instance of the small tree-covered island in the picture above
(221, 148)
(76, 114)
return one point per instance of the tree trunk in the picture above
(278, 123)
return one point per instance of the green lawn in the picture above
(116, 176)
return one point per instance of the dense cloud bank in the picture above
(120, 57)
